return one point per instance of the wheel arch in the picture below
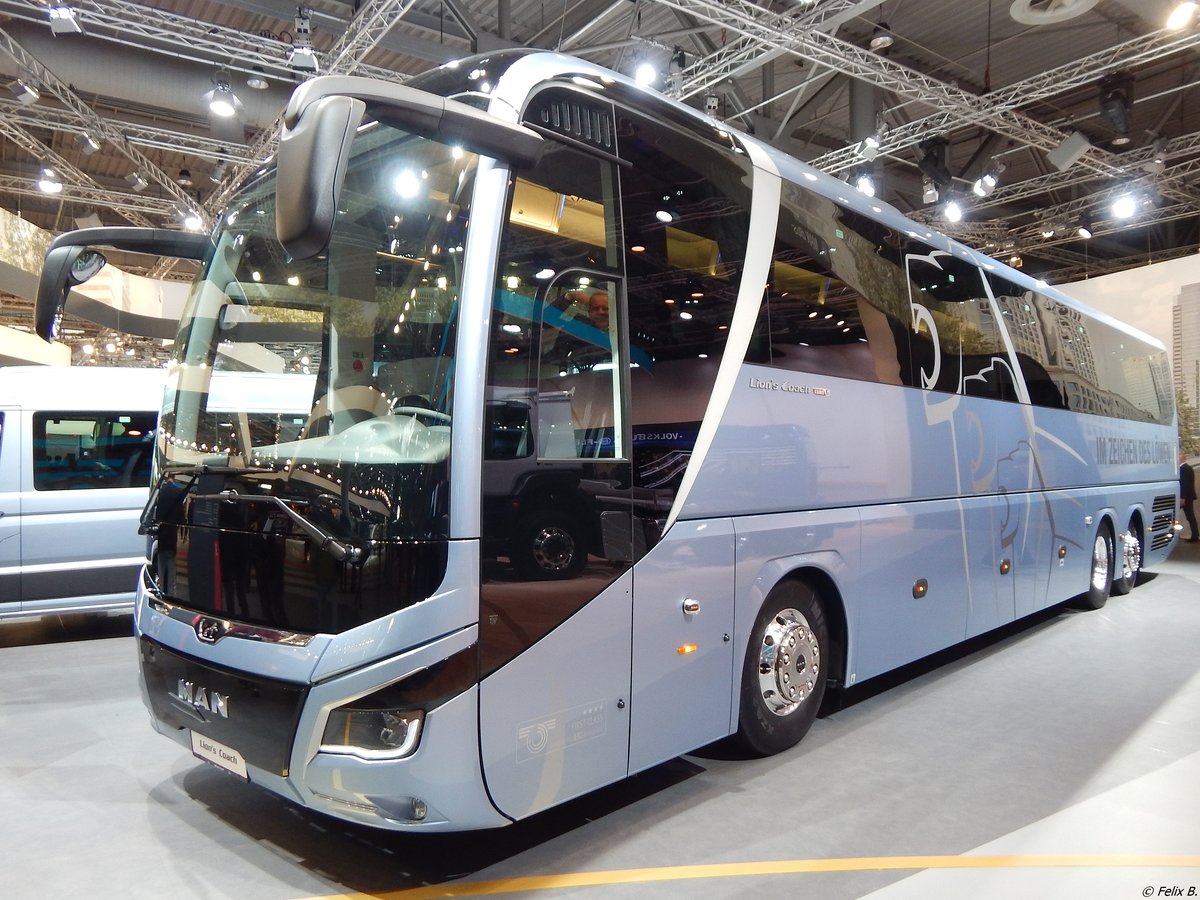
(822, 581)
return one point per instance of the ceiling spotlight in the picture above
(929, 191)
(136, 181)
(221, 100)
(645, 75)
(986, 183)
(63, 21)
(184, 178)
(1181, 15)
(865, 184)
(1124, 207)
(868, 147)
(1085, 228)
(933, 162)
(192, 220)
(49, 182)
(953, 211)
(1116, 104)
(257, 80)
(303, 58)
(86, 144)
(881, 38)
(218, 171)
(25, 92)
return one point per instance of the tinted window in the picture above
(85, 450)
(953, 312)
(1072, 360)
(816, 317)
(685, 206)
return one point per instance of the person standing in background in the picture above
(1187, 495)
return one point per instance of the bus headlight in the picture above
(357, 730)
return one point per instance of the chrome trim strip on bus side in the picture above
(760, 244)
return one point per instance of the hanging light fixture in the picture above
(63, 20)
(1085, 228)
(933, 161)
(303, 56)
(257, 79)
(25, 92)
(221, 100)
(50, 182)
(1124, 206)
(864, 183)
(881, 38)
(986, 183)
(953, 211)
(86, 143)
(1181, 15)
(1116, 105)
(136, 181)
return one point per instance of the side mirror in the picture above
(71, 261)
(63, 269)
(313, 154)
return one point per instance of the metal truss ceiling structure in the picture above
(985, 84)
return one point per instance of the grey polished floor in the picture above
(1058, 760)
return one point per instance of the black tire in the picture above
(1128, 562)
(789, 653)
(548, 545)
(1101, 581)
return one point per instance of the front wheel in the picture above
(1129, 561)
(786, 669)
(1101, 583)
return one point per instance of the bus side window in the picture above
(685, 214)
(952, 308)
(816, 316)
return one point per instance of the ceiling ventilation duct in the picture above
(1048, 12)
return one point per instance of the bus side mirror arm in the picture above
(70, 262)
(319, 125)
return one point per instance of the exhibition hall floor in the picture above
(1059, 760)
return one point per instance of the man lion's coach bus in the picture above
(526, 429)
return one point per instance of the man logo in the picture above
(202, 698)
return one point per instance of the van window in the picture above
(88, 450)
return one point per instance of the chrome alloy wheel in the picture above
(1100, 562)
(553, 548)
(1131, 556)
(789, 661)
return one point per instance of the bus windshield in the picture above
(331, 376)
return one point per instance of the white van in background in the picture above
(75, 451)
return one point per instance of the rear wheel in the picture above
(1128, 560)
(785, 672)
(1101, 583)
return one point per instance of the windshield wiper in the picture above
(150, 511)
(339, 550)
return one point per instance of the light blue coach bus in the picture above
(527, 429)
